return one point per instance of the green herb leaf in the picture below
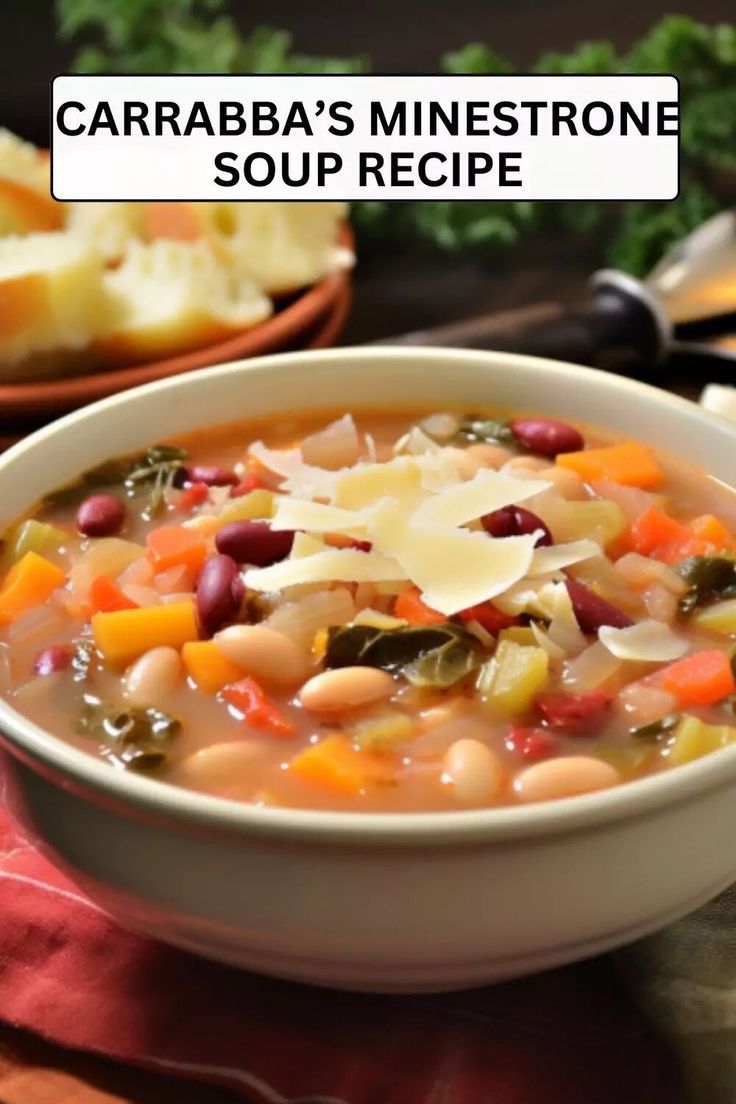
(487, 431)
(157, 469)
(136, 738)
(656, 730)
(436, 655)
(709, 579)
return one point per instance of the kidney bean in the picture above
(219, 593)
(575, 714)
(254, 542)
(512, 521)
(58, 657)
(547, 436)
(100, 515)
(210, 475)
(592, 611)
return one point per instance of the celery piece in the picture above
(380, 728)
(718, 618)
(32, 536)
(511, 680)
(694, 738)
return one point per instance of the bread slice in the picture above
(173, 296)
(109, 227)
(26, 205)
(51, 299)
(280, 246)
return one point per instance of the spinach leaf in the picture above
(709, 579)
(137, 738)
(495, 431)
(656, 730)
(435, 655)
(105, 475)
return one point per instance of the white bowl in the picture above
(386, 902)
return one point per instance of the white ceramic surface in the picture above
(386, 902)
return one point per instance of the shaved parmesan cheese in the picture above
(333, 565)
(556, 556)
(646, 642)
(453, 568)
(299, 513)
(563, 626)
(306, 545)
(281, 461)
(300, 479)
(488, 490)
(334, 447)
(406, 478)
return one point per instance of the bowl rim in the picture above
(153, 799)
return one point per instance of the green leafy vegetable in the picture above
(709, 579)
(656, 730)
(196, 36)
(137, 738)
(157, 469)
(433, 656)
(105, 475)
(486, 430)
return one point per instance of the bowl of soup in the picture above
(388, 669)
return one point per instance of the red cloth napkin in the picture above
(571, 1036)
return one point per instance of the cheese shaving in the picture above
(556, 556)
(346, 565)
(488, 490)
(299, 513)
(646, 642)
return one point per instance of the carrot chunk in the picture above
(712, 530)
(653, 528)
(334, 764)
(410, 607)
(629, 463)
(250, 700)
(105, 596)
(174, 546)
(699, 679)
(29, 583)
(208, 667)
(124, 634)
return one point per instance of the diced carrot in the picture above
(629, 463)
(671, 552)
(178, 221)
(652, 528)
(336, 765)
(699, 679)
(125, 634)
(250, 700)
(105, 596)
(192, 496)
(410, 607)
(712, 530)
(29, 583)
(208, 667)
(338, 540)
(491, 618)
(174, 545)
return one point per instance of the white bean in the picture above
(475, 772)
(566, 777)
(263, 652)
(218, 766)
(489, 456)
(153, 676)
(567, 482)
(345, 688)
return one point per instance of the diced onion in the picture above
(300, 620)
(590, 669)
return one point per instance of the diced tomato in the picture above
(491, 618)
(249, 482)
(105, 596)
(532, 743)
(250, 700)
(410, 607)
(575, 714)
(193, 496)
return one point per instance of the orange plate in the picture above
(316, 306)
